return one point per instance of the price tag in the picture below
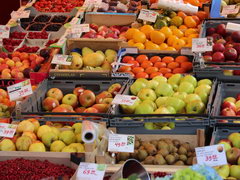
(80, 28)
(19, 90)
(121, 143)
(124, 99)
(232, 27)
(74, 21)
(7, 130)
(20, 14)
(91, 171)
(148, 15)
(4, 31)
(211, 155)
(230, 9)
(202, 44)
(62, 59)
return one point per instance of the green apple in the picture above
(192, 97)
(191, 79)
(180, 95)
(23, 143)
(149, 126)
(70, 99)
(230, 99)
(37, 147)
(235, 171)
(226, 145)
(67, 137)
(174, 86)
(161, 101)
(152, 84)
(171, 109)
(175, 79)
(78, 146)
(223, 171)
(204, 81)
(237, 104)
(145, 81)
(164, 89)
(203, 88)
(130, 109)
(171, 125)
(144, 108)
(236, 142)
(203, 96)
(160, 79)
(77, 128)
(233, 136)
(147, 93)
(136, 87)
(57, 146)
(165, 128)
(48, 138)
(69, 149)
(186, 87)
(176, 103)
(154, 106)
(7, 145)
(195, 107)
(162, 110)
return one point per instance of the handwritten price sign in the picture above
(230, 9)
(19, 90)
(62, 59)
(80, 28)
(124, 99)
(20, 14)
(121, 143)
(211, 155)
(7, 130)
(148, 15)
(91, 171)
(202, 44)
(4, 31)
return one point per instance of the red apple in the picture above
(210, 31)
(112, 35)
(55, 93)
(229, 45)
(89, 35)
(238, 112)
(79, 109)
(94, 26)
(114, 88)
(228, 112)
(228, 104)
(50, 103)
(208, 53)
(232, 155)
(78, 90)
(221, 29)
(102, 108)
(103, 28)
(238, 97)
(216, 37)
(218, 57)
(87, 98)
(103, 95)
(236, 46)
(207, 58)
(115, 31)
(218, 47)
(60, 109)
(124, 29)
(236, 36)
(230, 54)
(90, 110)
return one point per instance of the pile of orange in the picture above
(148, 67)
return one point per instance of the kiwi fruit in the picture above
(189, 161)
(182, 150)
(134, 154)
(183, 157)
(189, 154)
(149, 160)
(171, 148)
(142, 154)
(164, 152)
(179, 163)
(176, 155)
(123, 156)
(170, 159)
(159, 160)
(187, 146)
(151, 149)
(162, 144)
(154, 142)
(176, 143)
(137, 144)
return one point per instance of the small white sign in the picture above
(124, 99)
(74, 21)
(20, 14)
(4, 31)
(121, 74)
(80, 28)
(231, 27)
(62, 59)
(202, 44)
(148, 15)
(230, 9)
(7, 130)
(19, 90)
(211, 155)
(91, 171)
(121, 143)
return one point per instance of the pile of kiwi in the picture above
(160, 152)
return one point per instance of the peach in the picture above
(19, 75)
(25, 61)
(21, 68)
(15, 59)
(3, 66)
(18, 64)
(10, 63)
(33, 57)
(6, 71)
(3, 93)
(24, 56)
(16, 54)
(6, 75)
(1, 60)
(14, 71)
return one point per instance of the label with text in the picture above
(7, 130)
(124, 99)
(62, 59)
(230, 9)
(121, 143)
(211, 155)
(91, 171)
(20, 14)
(4, 31)
(80, 28)
(148, 15)
(202, 44)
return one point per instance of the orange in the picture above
(181, 59)
(160, 64)
(181, 14)
(202, 15)
(151, 70)
(173, 27)
(131, 42)
(193, 36)
(177, 21)
(187, 66)
(131, 73)
(190, 22)
(134, 63)
(178, 70)
(166, 31)
(139, 45)
(142, 75)
(194, 2)
(151, 45)
(170, 49)
(178, 44)
(146, 64)
(178, 33)
(168, 75)
(125, 59)
(165, 70)
(185, 39)
(173, 65)
(157, 37)
(124, 68)
(196, 19)
(190, 31)
(155, 59)
(141, 58)
(130, 32)
(168, 59)
(137, 70)
(155, 74)
(139, 37)
(147, 29)
(183, 28)
(163, 46)
(171, 39)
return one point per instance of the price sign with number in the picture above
(211, 155)
(202, 44)
(20, 14)
(121, 143)
(148, 15)
(80, 28)
(4, 31)
(62, 59)
(7, 130)
(91, 171)
(124, 99)
(19, 90)
(230, 9)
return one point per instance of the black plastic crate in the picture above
(32, 106)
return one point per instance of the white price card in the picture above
(4, 31)
(202, 44)
(74, 21)
(20, 14)
(148, 15)
(230, 9)
(80, 28)
(121, 143)
(231, 27)
(91, 171)
(62, 59)
(7, 130)
(211, 155)
(124, 99)
(19, 90)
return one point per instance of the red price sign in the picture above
(91, 171)
(211, 158)
(148, 15)
(120, 144)
(7, 130)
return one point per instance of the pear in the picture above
(69, 149)
(57, 146)
(67, 137)
(44, 129)
(23, 143)
(37, 147)
(7, 145)
(100, 52)
(86, 51)
(77, 128)
(48, 138)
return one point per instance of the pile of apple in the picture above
(5, 104)
(104, 32)
(232, 148)
(231, 106)
(80, 101)
(30, 136)
(91, 60)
